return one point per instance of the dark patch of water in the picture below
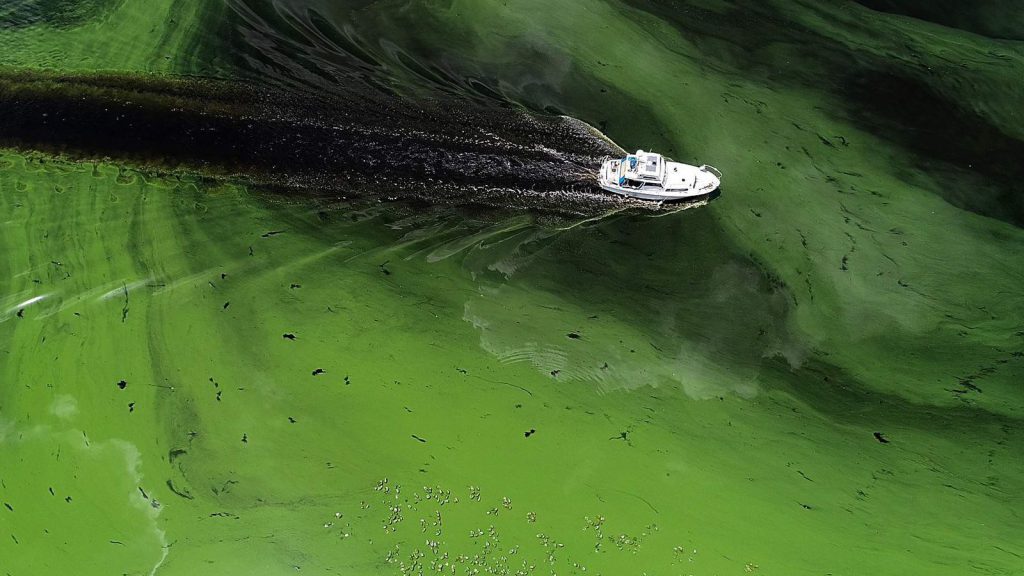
(1001, 19)
(55, 13)
(950, 141)
(355, 142)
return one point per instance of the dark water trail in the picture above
(352, 142)
(993, 18)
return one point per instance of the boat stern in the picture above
(609, 171)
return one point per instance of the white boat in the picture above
(651, 176)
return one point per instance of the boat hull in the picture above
(655, 196)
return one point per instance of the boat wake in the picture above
(352, 142)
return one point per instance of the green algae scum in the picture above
(229, 347)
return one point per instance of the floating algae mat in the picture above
(216, 359)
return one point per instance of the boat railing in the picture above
(712, 169)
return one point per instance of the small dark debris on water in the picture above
(226, 304)
(131, 407)
(881, 438)
(624, 435)
(574, 335)
(604, 366)
(384, 269)
(555, 373)
(806, 506)
(122, 384)
(843, 265)
(182, 493)
(8, 506)
(272, 233)
(462, 370)
(143, 492)
(245, 438)
(223, 276)
(288, 336)
(347, 381)
(292, 420)
(52, 493)
(418, 438)
(67, 499)
(319, 371)
(250, 251)
(21, 313)
(529, 432)
(116, 542)
(294, 286)
(218, 395)
(969, 384)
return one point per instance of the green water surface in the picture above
(818, 373)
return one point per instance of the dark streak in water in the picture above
(947, 137)
(182, 493)
(352, 142)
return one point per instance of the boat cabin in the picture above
(643, 169)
